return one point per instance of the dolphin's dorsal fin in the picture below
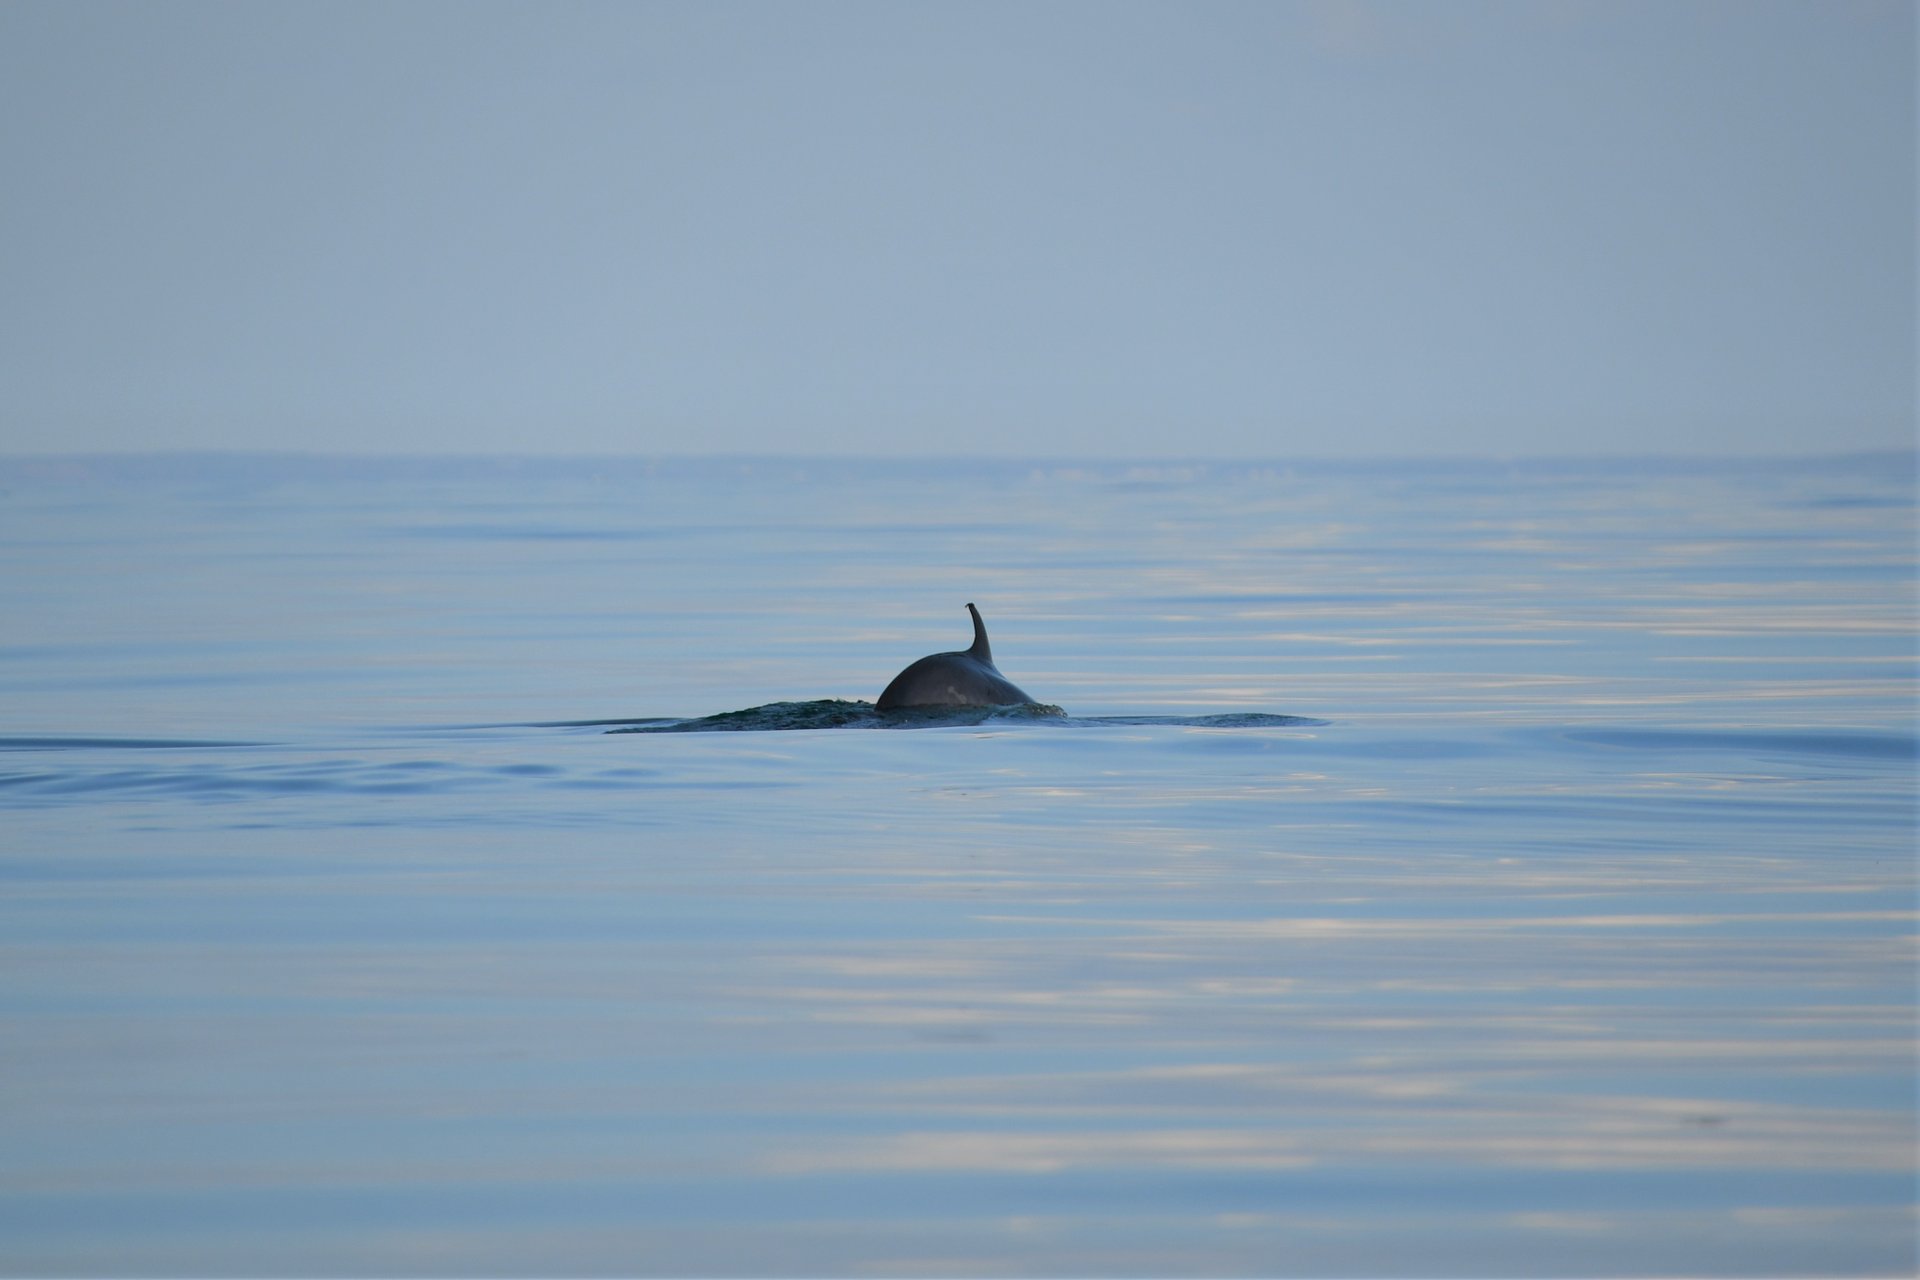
(981, 649)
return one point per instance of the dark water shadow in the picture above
(839, 713)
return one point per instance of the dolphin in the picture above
(964, 678)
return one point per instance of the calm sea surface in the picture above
(1569, 932)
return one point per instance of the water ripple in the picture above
(65, 742)
(1881, 746)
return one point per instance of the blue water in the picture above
(1451, 868)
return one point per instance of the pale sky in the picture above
(1095, 229)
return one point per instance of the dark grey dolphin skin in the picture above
(966, 678)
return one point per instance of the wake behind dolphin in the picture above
(964, 678)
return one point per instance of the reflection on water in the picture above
(1564, 926)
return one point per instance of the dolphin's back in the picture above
(951, 680)
(967, 678)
